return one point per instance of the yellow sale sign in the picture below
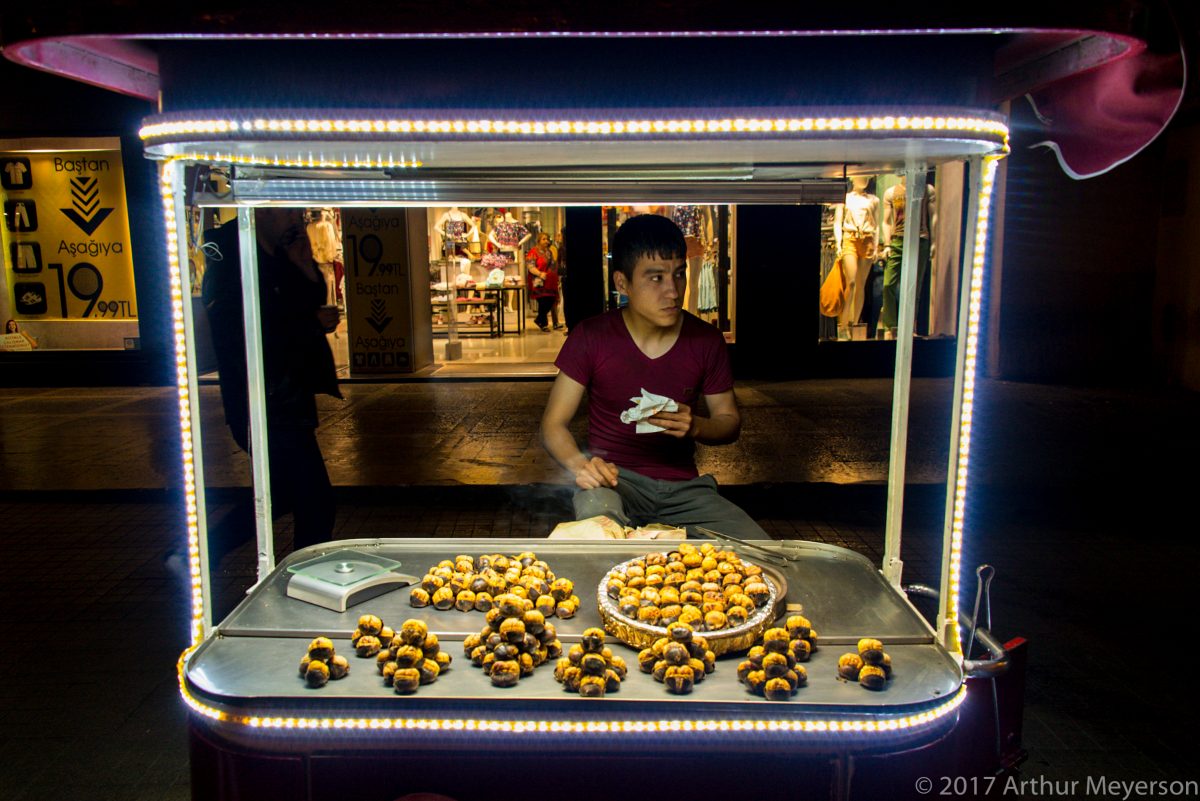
(66, 235)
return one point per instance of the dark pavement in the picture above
(1081, 498)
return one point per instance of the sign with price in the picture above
(66, 235)
(377, 245)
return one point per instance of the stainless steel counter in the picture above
(250, 666)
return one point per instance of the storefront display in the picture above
(865, 234)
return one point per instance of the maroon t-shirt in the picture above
(601, 355)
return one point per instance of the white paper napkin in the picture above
(647, 406)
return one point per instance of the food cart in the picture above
(257, 727)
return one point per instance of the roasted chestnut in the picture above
(505, 673)
(592, 686)
(429, 671)
(758, 592)
(777, 689)
(776, 640)
(798, 626)
(317, 673)
(368, 646)
(534, 621)
(676, 653)
(465, 601)
(849, 666)
(680, 632)
(443, 599)
(320, 649)
(406, 680)
(871, 651)
(513, 630)
(872, 677)
(800, 650)
(679, 679)
(409, 656)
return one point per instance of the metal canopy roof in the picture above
(710, 155)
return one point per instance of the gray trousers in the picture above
(638, 500)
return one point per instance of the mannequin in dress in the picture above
(855, 229)
(894, 200)
(327, 248)
(455, 228)
(696, 222)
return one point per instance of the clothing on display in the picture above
(859, 214)
(896, 197)
(455, 230)
(707, 300)
(509, 234)
(688, 219)
(495, 261)
(323, 237)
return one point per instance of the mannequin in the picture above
(894, 200)
(509, 237)
(696, 222)
(854, 228)
(455, 227)
(327, 248)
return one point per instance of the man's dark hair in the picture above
(646, 235)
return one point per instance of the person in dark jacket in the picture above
(297, 362)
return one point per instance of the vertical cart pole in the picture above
(189, 399)
(914, 179)
(257, 390)
(982, 171)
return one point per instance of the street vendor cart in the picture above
(257, 726)
(383, 112)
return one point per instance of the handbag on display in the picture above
(833, 291)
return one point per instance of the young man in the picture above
(651, 344)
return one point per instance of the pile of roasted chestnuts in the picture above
(321, 663)
(772, 668)
(680, 660)
(708, 589)
(589, 668)
(406, 658)
(516, 639)
(471, 583)
(870, 667)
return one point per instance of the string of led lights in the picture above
(966, 418)
(845, 726)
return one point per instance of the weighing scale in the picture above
(341, 579)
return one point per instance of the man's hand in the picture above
(596, 473)
(678, 424)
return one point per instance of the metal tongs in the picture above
(766, 554)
